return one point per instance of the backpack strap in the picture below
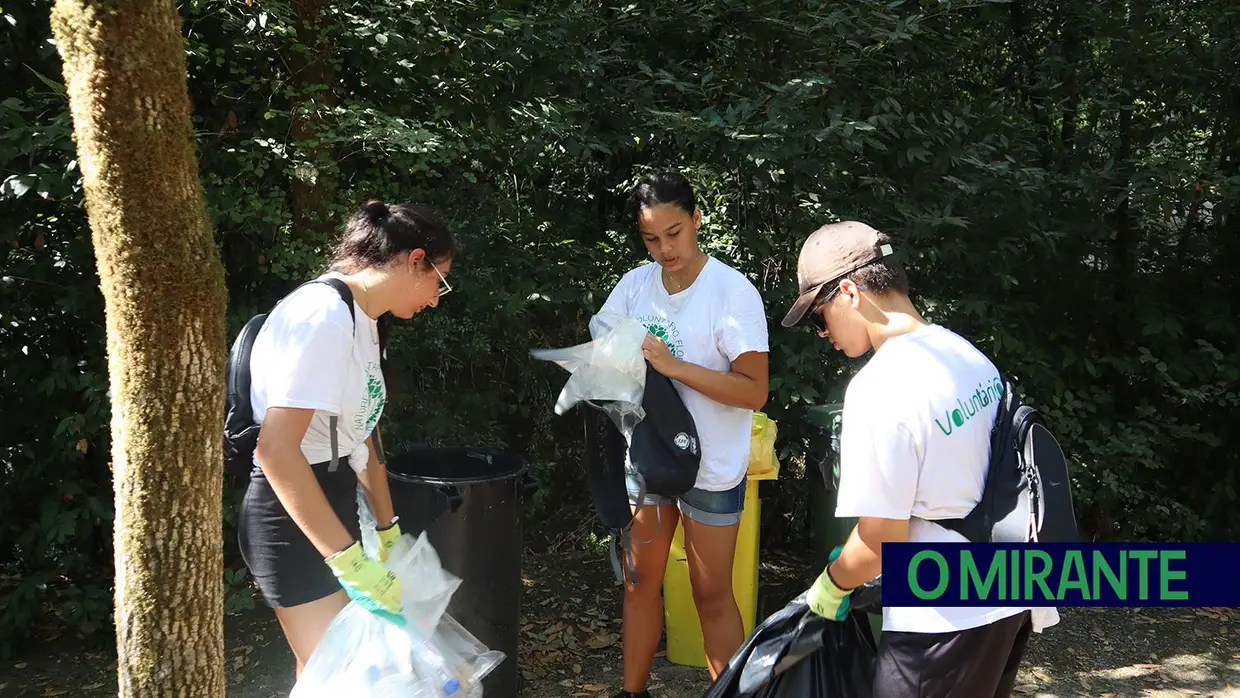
(605, 479)
(346, 295)
(385, 331)
(976, 526)
(622, 540)
(238, 385)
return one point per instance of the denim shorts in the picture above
(703, 506)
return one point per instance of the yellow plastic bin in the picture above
(684, 630)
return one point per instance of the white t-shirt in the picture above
(915, 443)
(718, 318)
(310, 354)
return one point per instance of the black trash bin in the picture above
(468, 500)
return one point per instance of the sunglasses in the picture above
(816, 319)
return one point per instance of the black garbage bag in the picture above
(868, 598)
(796, 653)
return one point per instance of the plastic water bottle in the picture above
(430, 664)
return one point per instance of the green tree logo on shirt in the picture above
(372, 401)
(667, 334)
(658, 331)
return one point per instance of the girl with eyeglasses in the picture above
(317, 390)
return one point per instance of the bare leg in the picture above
(651, 535)
(304, 625)
(710, 551)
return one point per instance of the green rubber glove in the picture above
(368, 582)
(387, 538)
(826, 598)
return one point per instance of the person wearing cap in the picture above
(909, 454)
(708, 334)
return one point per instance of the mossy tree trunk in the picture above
(163, 287)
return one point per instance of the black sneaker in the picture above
(629, 694)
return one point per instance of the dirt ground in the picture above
(570, 644)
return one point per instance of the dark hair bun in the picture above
(377, 232)
(376, 211)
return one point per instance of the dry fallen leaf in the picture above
(594, 687)
(1026, 688)
(598, 642)
(54, 692)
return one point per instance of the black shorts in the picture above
(288, 568)
(975, 663)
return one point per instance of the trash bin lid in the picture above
(455, 466)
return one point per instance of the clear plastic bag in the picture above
(608, 373)
(425, 598)
(467, 655)
(362, 655)
(365, 656)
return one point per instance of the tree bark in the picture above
(163, 287)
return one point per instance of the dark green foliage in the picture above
(1063, 180)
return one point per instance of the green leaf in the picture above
(16, 186)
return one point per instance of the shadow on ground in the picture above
(571, 645)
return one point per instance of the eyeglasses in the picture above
(444, 287)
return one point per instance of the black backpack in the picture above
(1028, 492)
(240, 430)
(665, 450)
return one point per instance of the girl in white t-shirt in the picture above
(708, 333)
(316, 359)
